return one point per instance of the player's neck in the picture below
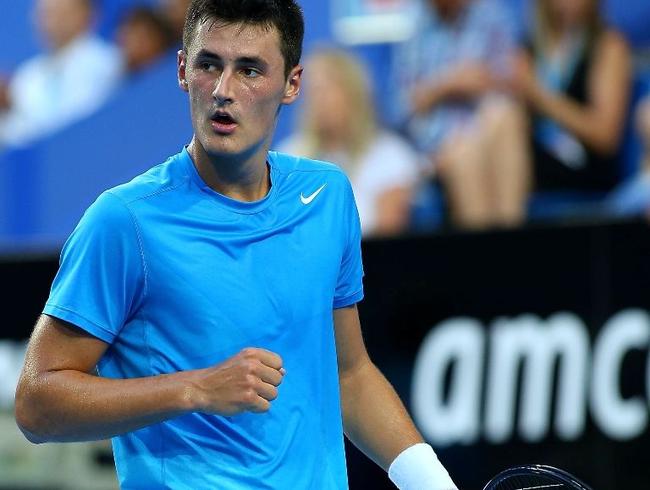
(240, 177)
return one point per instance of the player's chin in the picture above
(238, 145)
(219, 140)
(219, 146)
(221, 150)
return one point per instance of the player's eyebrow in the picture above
(252, 60)
(209, 55)
(204, 54)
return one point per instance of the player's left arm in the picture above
(374, 417)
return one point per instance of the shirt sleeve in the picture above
(349, 287)
(101, 276)
(501, 38)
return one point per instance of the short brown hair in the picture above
(284, 15)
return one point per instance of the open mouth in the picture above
(223, 118)
(223, 123)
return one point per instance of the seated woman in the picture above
(339, 125)
(575, 78)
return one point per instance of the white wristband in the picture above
(418, 468)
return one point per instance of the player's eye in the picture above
(251, 72)
(207, 66)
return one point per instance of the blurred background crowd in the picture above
(484, 114)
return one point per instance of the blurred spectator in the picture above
(175, 11)
(451, 78)
(143, 36)
(576, 80)
(633, 197)
(339, 125)
(69, 81)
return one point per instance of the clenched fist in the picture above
(247, 382)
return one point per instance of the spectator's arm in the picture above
(464, 82)
(598, 123)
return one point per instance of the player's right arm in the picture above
(59, 397)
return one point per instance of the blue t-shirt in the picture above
(175, 276)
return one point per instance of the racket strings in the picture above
(529, 483)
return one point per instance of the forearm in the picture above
(465, 82)
(374, 418)
(587, 124)
(469, 84)
(66, 405)
(426, 96)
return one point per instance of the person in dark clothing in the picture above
(575, 76)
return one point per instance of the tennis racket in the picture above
(534, 477)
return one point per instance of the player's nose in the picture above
(223, 88)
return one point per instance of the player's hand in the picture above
(247, 382)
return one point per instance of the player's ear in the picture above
(181, 59)
(292, 88)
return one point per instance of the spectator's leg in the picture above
(460, 164)
(504, 125)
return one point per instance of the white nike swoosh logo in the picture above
(311, 197)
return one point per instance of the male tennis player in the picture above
(216, 295)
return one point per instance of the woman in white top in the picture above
(339, 125)
(69, 81)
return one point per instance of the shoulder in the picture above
(611, 52)
(612, 42)
(108, 210)
(162, 178)
(118, 210)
